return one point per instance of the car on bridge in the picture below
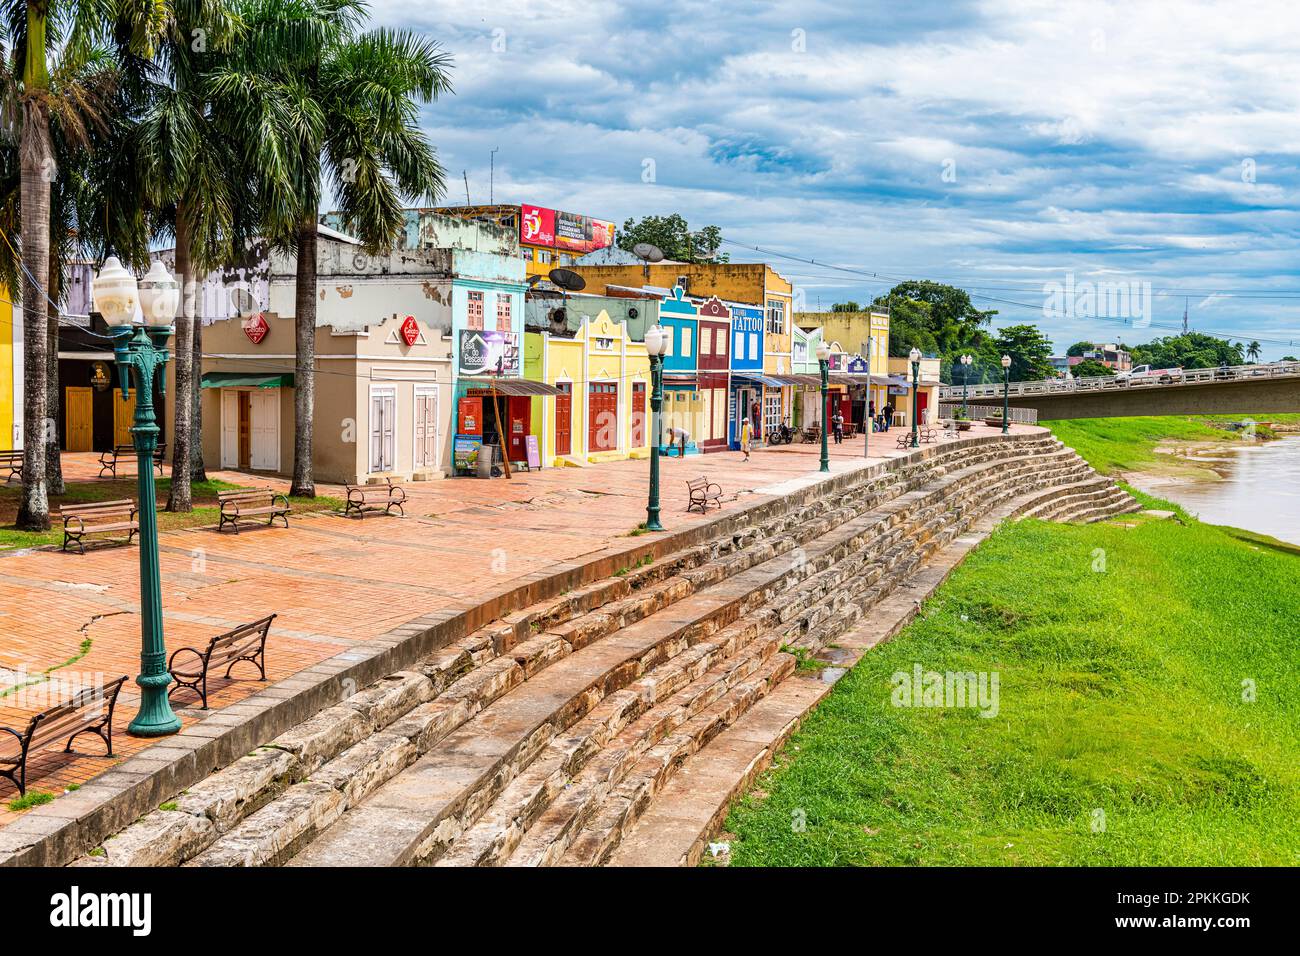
(1145, 373)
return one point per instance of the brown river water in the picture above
(1259, 490)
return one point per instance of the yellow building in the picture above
(746, 283)
(927, 394)
(602, 409)
(850, 335)
(10, 377)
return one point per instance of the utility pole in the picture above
(465, 174)
(492, 174)
(1184, 315)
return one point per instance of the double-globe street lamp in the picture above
(824, 360)
(142, 349)
(656, 345)
(915, 357)
(1006, 393)
(965, 378)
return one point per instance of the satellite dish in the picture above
(567, 279)
(648, 252)
(533, 280)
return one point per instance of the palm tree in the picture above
(1252, 351)
(353, 101)
(195, 148)
(41, 107)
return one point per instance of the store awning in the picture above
(511, 386)
(247, 380)
(771, 381)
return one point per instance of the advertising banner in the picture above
(488, 352)
(536, 225)
(581, 234)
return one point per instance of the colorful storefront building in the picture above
(713, 369)
(747, 380)
(597, 407)
(682, 401)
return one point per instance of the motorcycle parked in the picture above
(782, 435)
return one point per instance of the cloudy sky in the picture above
(1000, 146)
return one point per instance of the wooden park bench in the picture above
(12, 459)
(925, 434)
(245, 643)
(108, 459)
(252, 503)
(87, 711)
(703, 493)
(385, 497)
(98, 517)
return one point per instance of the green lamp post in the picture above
(915, 357)
(824, 360)
(1006, 393)
(656, 344)
(965, 378)
(142, 350)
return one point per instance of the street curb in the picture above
(58, 832)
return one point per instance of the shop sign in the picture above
(410, 330)
(488, 352)
(465, 452)
(857, 365)
(100, 377)
(256, 328)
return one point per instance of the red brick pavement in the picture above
(333, 581)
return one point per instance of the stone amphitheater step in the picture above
(692, 806)
(1089, 490)
(528, 701)
(600, 793)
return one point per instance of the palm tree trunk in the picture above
(179, 497)
(36, 164)
(197, 470)
(304, 381)
(53, 460)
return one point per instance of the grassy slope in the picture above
(1114, 445)
(1120, 691)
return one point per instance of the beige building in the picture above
(385, 353)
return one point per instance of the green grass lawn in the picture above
(1113, 445)
(1121, 737)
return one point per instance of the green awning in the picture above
(247, 380)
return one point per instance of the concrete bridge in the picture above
(1235, 390)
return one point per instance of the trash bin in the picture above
(488, 457)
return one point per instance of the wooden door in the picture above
(245, 430)
(123, 417)
(638, 415)
(922, 403)
(79, 418)
(519, 413)
(426, 429)
(602, 416)
(229, 428)
(564, 419)
(264, 454)
(383, 410)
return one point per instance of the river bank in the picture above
(1223, 477)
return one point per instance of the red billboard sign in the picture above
(536, 225)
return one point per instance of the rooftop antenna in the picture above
(648, 253)
(568, 281)
(492, 174)
(465, 173)
(1184, 315)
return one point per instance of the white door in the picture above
(383, 414)
(426, 428)
(229, 428)
(264, 455)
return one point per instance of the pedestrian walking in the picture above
(837, 422)
(746, 437)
